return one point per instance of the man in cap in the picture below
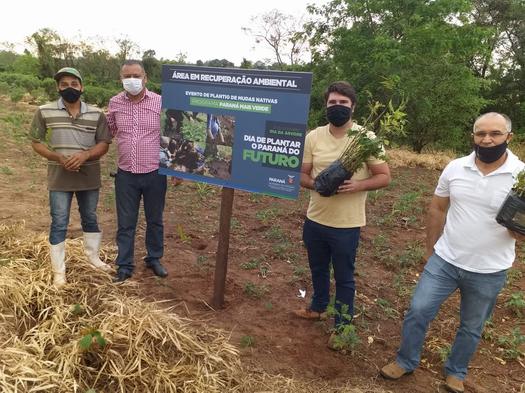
(72, 136)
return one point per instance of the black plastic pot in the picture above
(511, 214)
(329, 179)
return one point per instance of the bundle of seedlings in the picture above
(360, 146)
(362, 143)
(512, 212)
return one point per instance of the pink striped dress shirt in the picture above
(136, 127)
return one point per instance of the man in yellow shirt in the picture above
(332, 227)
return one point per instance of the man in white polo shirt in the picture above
(466, 249)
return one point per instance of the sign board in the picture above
(235, 128)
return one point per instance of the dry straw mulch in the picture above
(145, 346)
(405, 158)
(148, 348)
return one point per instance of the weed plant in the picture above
(511, 344)
(516, 303)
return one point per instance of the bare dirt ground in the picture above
(267, 267)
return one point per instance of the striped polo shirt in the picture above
(53, 125)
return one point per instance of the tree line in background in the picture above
(443, 61)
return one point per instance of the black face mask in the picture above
(338, 115)
(70, 94)
(490, 154)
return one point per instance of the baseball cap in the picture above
(68, 71)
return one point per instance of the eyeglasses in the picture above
(492, 134)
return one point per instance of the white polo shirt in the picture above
(472, 239)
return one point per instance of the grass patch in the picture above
(202, 262)
(376, 195)
(299, 272)
(513, 275)
(267, 215)
(264, 270)
(255, 197)
(204, 191)
(281, 250)
(235, 224)
(255, 291)
(511, 343)
(5, 170)
(387, 308)
(252, 264)
(516, 303)
(408, 258)
(247, 341)
(16, 125)
(402, 288)
(412, 255)
(381, 246)
(275, 233)
(182, 234)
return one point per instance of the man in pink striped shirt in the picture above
(134, 121)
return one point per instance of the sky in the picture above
(200, 29)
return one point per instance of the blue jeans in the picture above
(438, 281)
(326, 244)
(129, 189)
(60, 206)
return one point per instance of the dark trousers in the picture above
(129, 189)
(326, 244)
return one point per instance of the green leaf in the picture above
(100, 340)
(85, 342)
(77, 309)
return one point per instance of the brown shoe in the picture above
(393, 371)
(307, 313)
(454, 385)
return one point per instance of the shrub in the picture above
(50, 87)
(16, 94)
(98, 95)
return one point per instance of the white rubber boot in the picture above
(58, 264)
(92, 247)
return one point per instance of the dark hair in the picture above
(134, 62)
(343, 88)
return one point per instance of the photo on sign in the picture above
(197, 142)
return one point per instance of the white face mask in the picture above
(132, 85)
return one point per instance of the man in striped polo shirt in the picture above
(72, 136)
(134, 121)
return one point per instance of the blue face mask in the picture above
(490, 154)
